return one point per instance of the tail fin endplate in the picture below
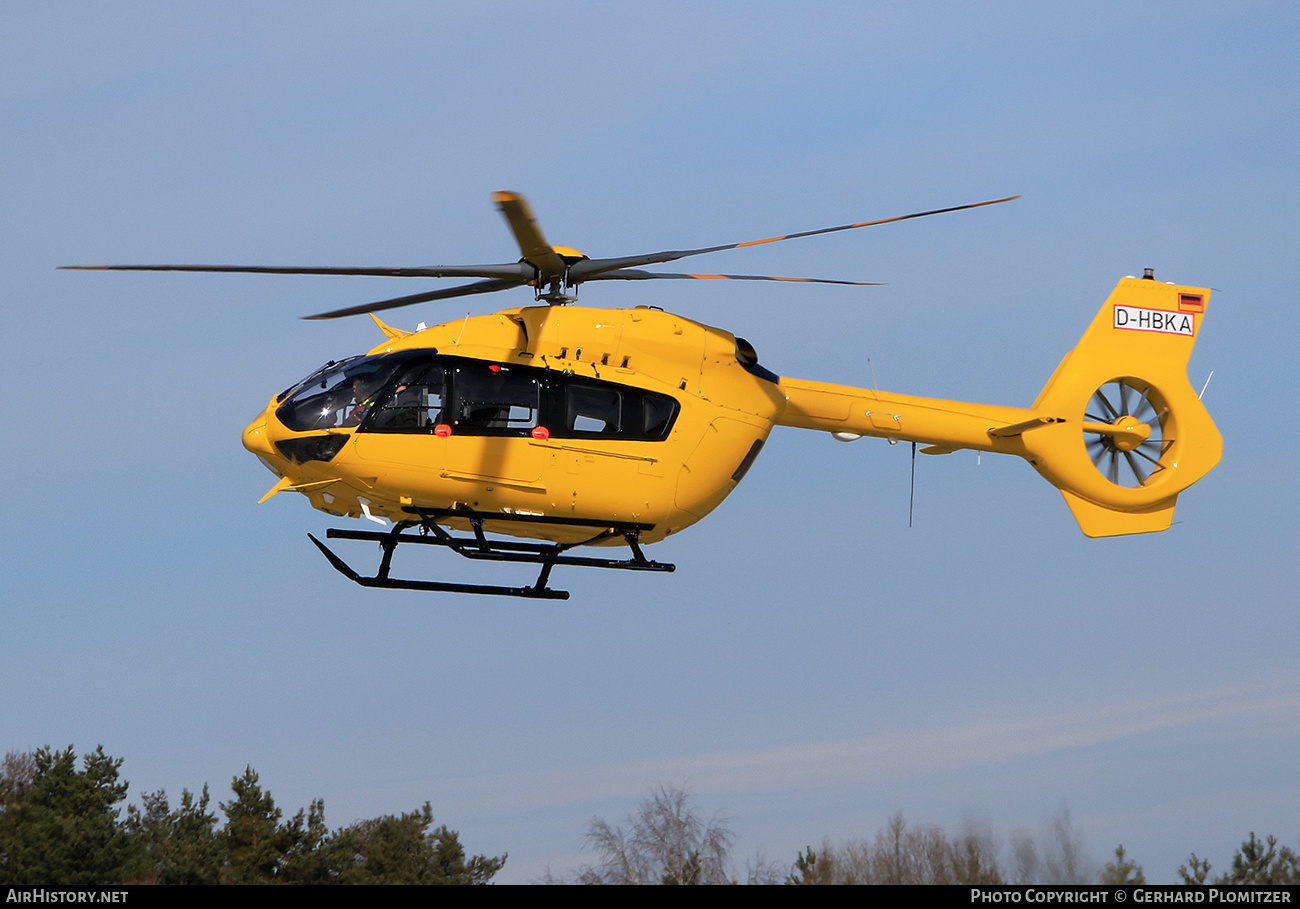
(1129, 431)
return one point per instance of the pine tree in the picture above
(1122, 871)
(400, 849)
(1260, 862)
(181, 846)
(309, 859)
(256, 844)
(63, 828)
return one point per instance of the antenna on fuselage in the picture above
(911, 501)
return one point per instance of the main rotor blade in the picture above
(523, 224)
(482, 287)
(636, 274)
(519, 270)
(586, 270)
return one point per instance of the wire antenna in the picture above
(1206, 385)
(911, 502)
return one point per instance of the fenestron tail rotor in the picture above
(554, 272)
(1124, 431)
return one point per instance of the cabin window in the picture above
(601, 410)
(594, 410)
(503, 402)
(657, 413)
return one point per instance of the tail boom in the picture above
(949, 425)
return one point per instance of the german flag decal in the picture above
(1191, 303)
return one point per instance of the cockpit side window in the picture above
(413, 401)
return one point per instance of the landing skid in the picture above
(480, 547)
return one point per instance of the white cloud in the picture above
(895, 754)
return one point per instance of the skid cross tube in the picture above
(480, 547)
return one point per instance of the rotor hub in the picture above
(1129, 433)
(1126, 431)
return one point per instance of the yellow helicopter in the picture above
(559, 426)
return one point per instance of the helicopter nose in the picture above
(255, 439)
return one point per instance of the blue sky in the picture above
(814, 664)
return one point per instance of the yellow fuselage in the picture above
(671, 484)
